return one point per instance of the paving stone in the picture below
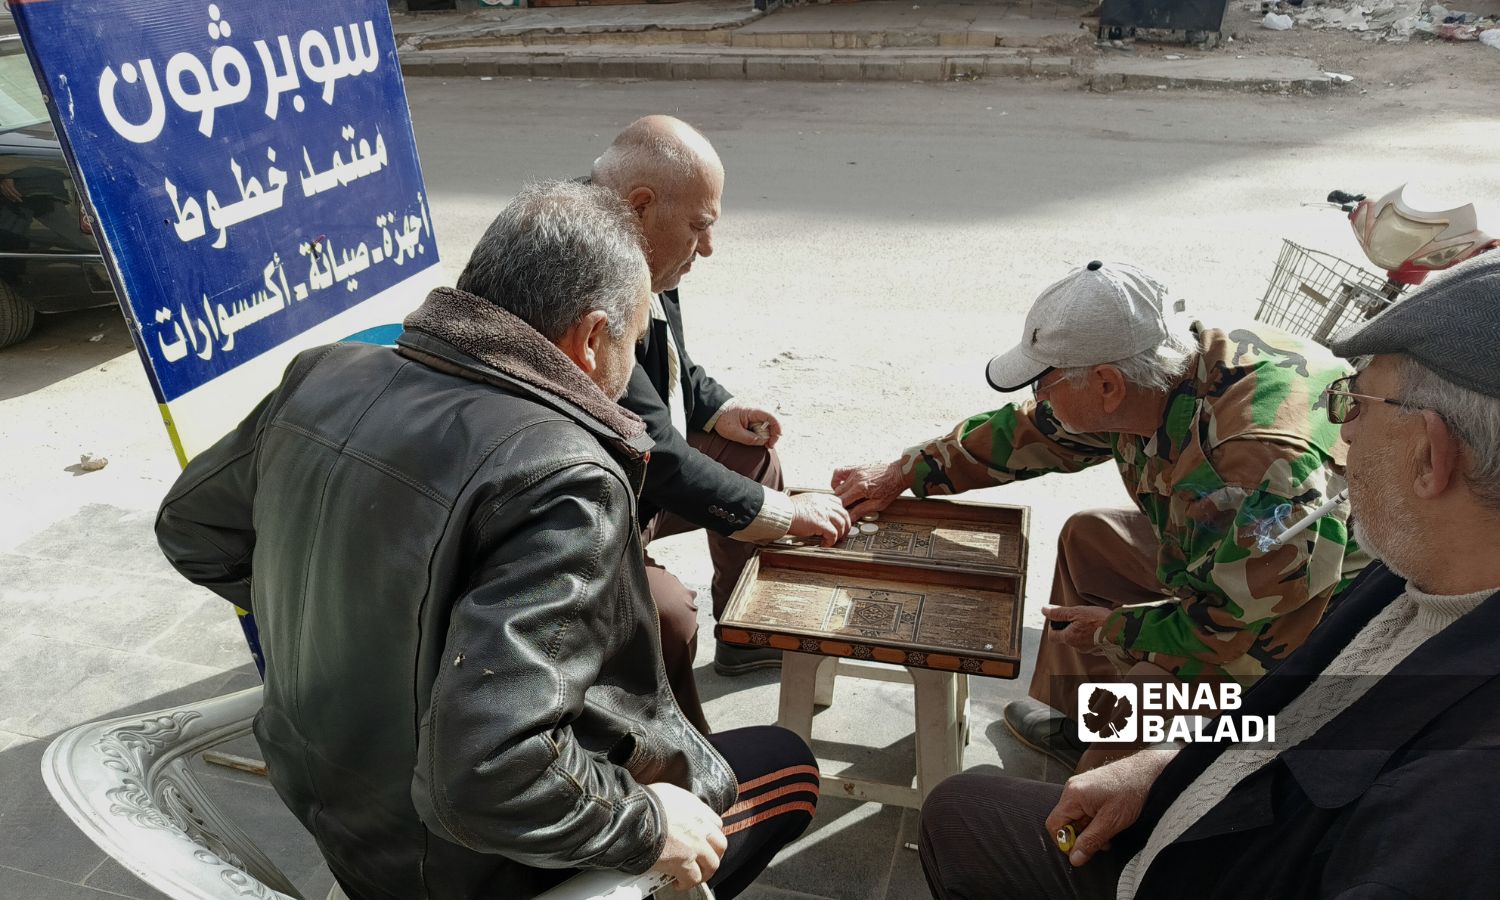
(126, 611)
(881, 70)
(726, 67)
(108, 537)
(483, 63)
(1007, 66)
(116, 879)
(906, 879)
(924, 68)
(38, 837)
(961, 67)
(658, 68)
(416, 66)
(800, 68)
(617, 67)
(837, 69)
(854, 844)
(29, 886)
(450, 67)
(10, 739)
(763, 68)
(52, 685)
(516, 65)
(690, 68)
(581, 67)
(1052, 65)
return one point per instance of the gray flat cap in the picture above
(1451, 326)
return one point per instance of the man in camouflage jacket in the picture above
(1221, 440)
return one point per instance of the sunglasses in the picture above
(1343, 404)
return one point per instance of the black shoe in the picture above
(731, 660)
(1045, 730)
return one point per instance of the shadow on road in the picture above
(62, 346)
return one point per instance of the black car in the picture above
(49, 261)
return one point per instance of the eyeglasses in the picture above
(1343, 405)
(1037, 387)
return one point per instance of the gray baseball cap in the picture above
(1100, 313)
(1451, 326)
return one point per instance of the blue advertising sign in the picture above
(252, 174)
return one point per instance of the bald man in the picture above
(714, 465)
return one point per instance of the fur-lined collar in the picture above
(504, 342)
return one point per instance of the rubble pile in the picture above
(1386, 20)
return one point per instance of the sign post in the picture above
(253, 178)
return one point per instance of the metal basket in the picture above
(1316, 294)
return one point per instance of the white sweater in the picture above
(1389, 638)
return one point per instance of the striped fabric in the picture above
(788, 790)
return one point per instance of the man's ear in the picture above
(583, 343)
(1439, 457)
(640, 198)
(1110, 382)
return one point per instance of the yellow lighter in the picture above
(1065, 838)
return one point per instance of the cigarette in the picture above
(1292, 531)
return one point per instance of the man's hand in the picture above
(745, 423)
(1103, 802)
(1084, 623)
(868, 489)
(820, 515)
(695, 837)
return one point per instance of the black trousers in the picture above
(778, 778)
(985, 836)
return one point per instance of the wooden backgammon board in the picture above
(937, 585)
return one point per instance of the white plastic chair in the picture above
(126, 784)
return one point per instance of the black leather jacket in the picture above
(464, 687)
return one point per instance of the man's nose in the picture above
(706, 243)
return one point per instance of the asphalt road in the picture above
(878, 243)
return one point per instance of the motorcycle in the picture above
(1316, 294)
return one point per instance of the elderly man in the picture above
(464, 693)
(1384, 775)
(714, 465)
(1217, 439)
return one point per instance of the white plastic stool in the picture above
(942, 714)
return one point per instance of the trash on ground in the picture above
(1394, 21)
(88, 462)
(1277, 22)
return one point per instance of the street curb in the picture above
(758, 66)
(1106, 82)
(715, 64)
(729, 36)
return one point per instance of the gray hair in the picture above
(1473, 416)
(559, 251)
(1155, 369)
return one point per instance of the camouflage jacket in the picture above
(1246, 447)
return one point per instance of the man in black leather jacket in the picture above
(714, 465)
(464, 690)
